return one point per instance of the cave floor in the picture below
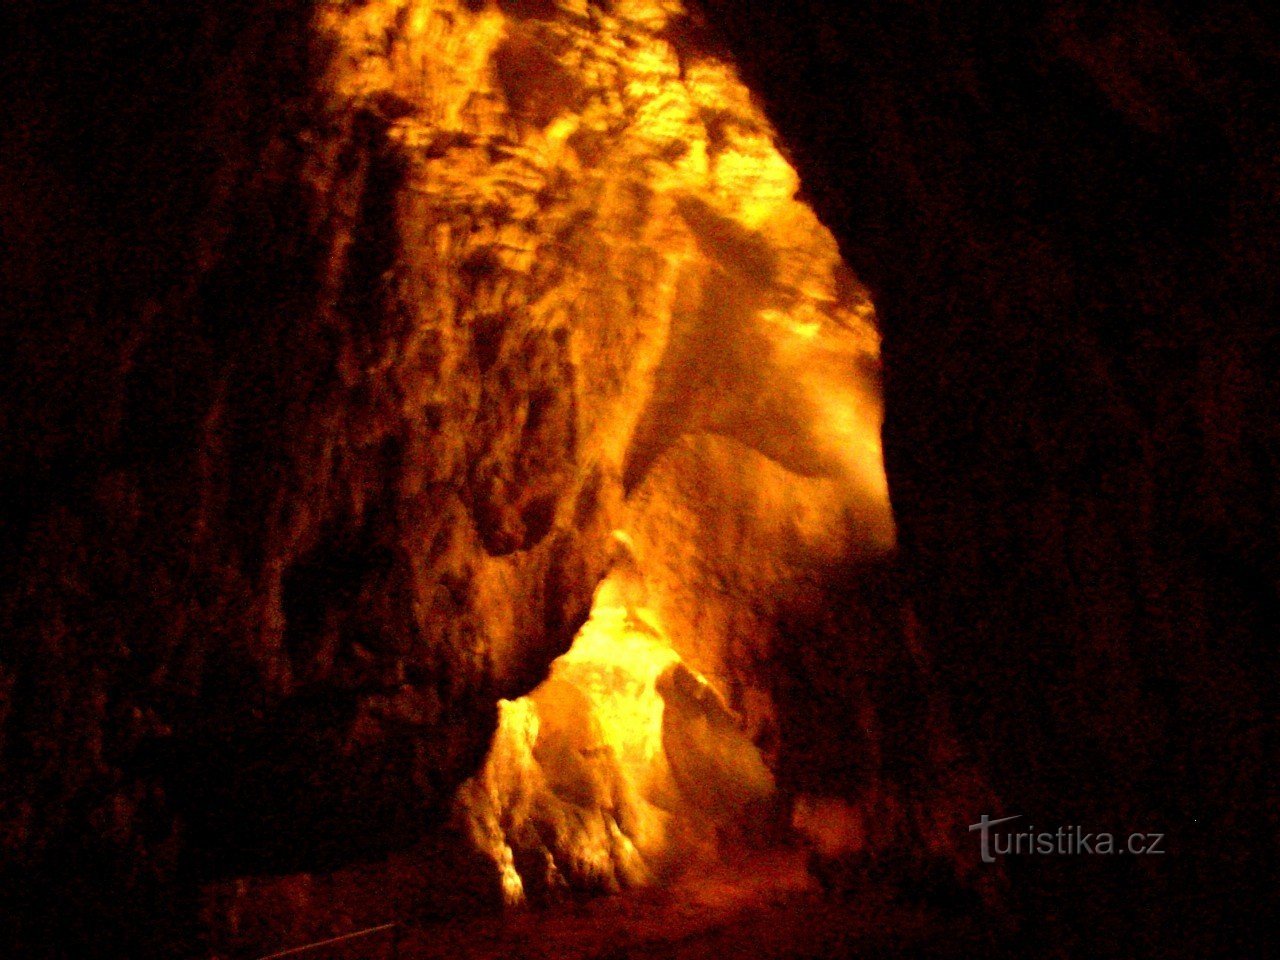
(762, 906)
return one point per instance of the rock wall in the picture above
(1066, 219)
(339, 338)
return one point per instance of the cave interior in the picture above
(637, 478)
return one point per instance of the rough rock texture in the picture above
(335, 336)
(1066, 217)
(312, 459)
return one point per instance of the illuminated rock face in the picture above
(622, 769)
(595, 185)
(380, 319)
(309, 458)
(1067, 218)
(650, 332)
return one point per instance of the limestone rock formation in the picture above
(1066, 217)
(342, 336)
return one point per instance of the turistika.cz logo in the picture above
(1065, 841)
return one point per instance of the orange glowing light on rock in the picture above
(593, 213)
(617, 770)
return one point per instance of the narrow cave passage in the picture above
(647, 347)
(747, 445)
(445, 492)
